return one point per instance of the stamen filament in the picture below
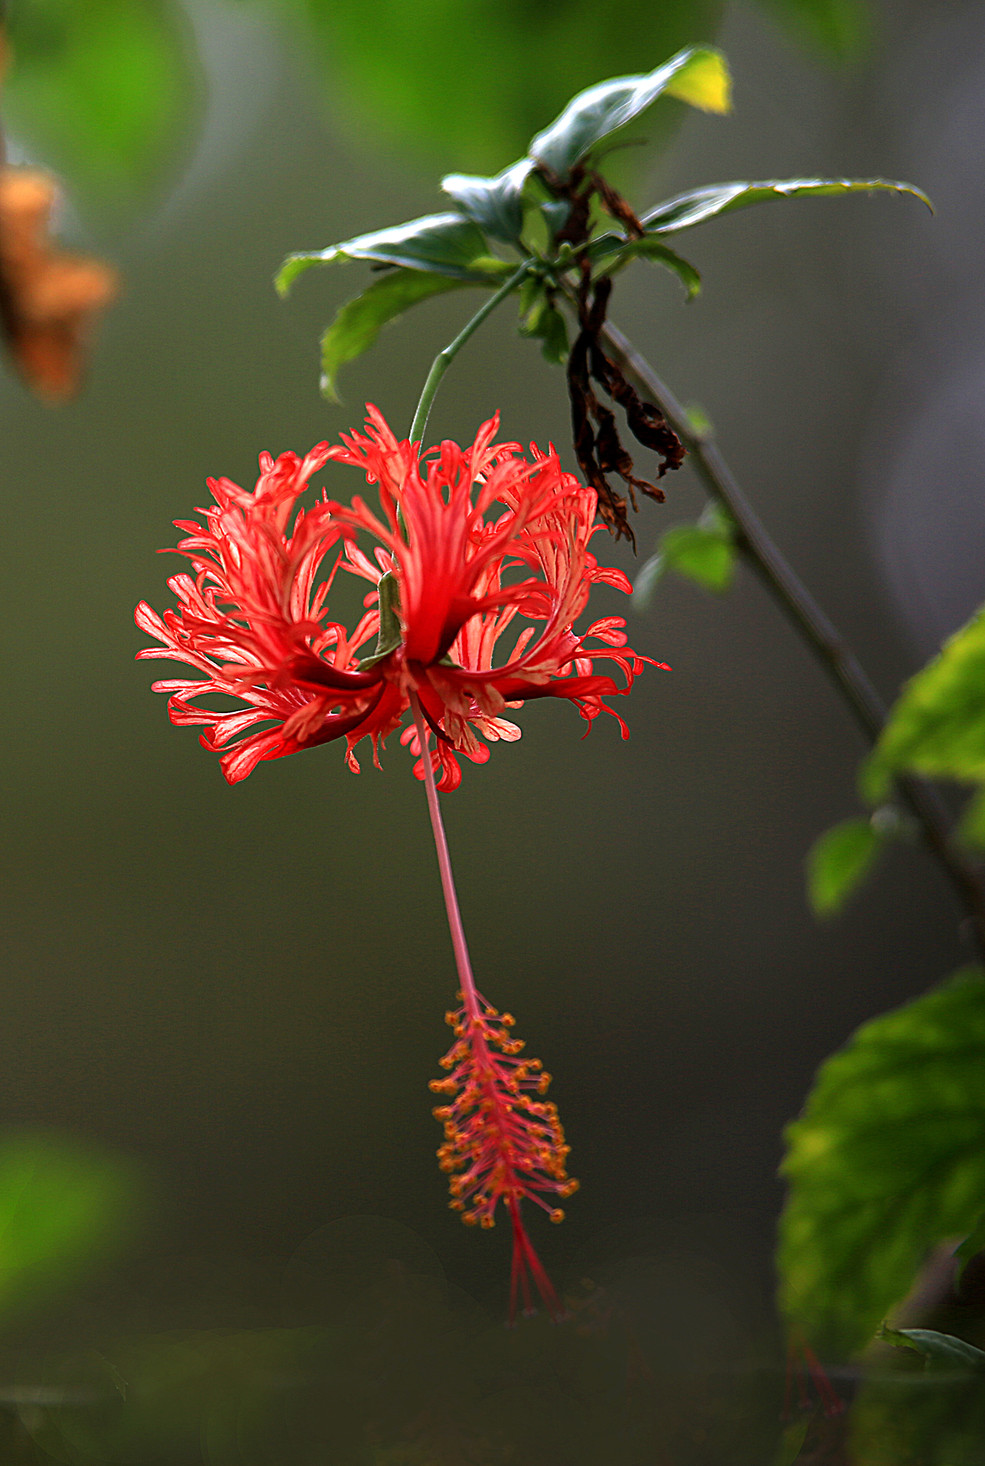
(466, 981)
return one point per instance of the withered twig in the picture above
(796, 602)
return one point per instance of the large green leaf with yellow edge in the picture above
(697, 75)
(937, 726)
(887, 1160)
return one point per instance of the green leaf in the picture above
(972, 825)
(696, 75)
(839, 27)
(698, 204)
(972, 1245)
(610, 252)
(441, 244)
(706, 556)
(937, 726)
(887, 1160)
(360, 321)
(703, 552)
(103, 92)
(542, 319)
(494, 204)
(939, 1350)
(838, 862)
(61, 1204)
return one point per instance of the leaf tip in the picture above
(704, 82)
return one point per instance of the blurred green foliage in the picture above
(937, 726)
(704, 553)
(887, 1160)
(110, 93)
(906, 1416)
(838, 861)
(398, 1366)
(473, 91)
(107, 93)
(63, 1204)
(839, 29)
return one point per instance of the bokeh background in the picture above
(242, 990)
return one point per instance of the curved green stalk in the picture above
(445, 357)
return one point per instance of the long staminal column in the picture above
(503, 1141)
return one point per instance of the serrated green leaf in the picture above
(698, 204)
(61, 1204)
(943, 1351)
(887, 1160)
(360, 321)
(937, 726)
(838, 862)
(610, 252)
(103, 92)
(697, 75)
(839, 27)
(440, 244)
(494, 204)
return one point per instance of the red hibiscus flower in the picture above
(471, 544)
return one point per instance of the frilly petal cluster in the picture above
(475, 549)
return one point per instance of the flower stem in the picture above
(445, 357)
(466, 981)
(794, 599)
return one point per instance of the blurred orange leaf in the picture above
(48, 299)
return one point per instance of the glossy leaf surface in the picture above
(696, 75)
(698, 204)
(494, 204)
(444, 244)
(887, 1160)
